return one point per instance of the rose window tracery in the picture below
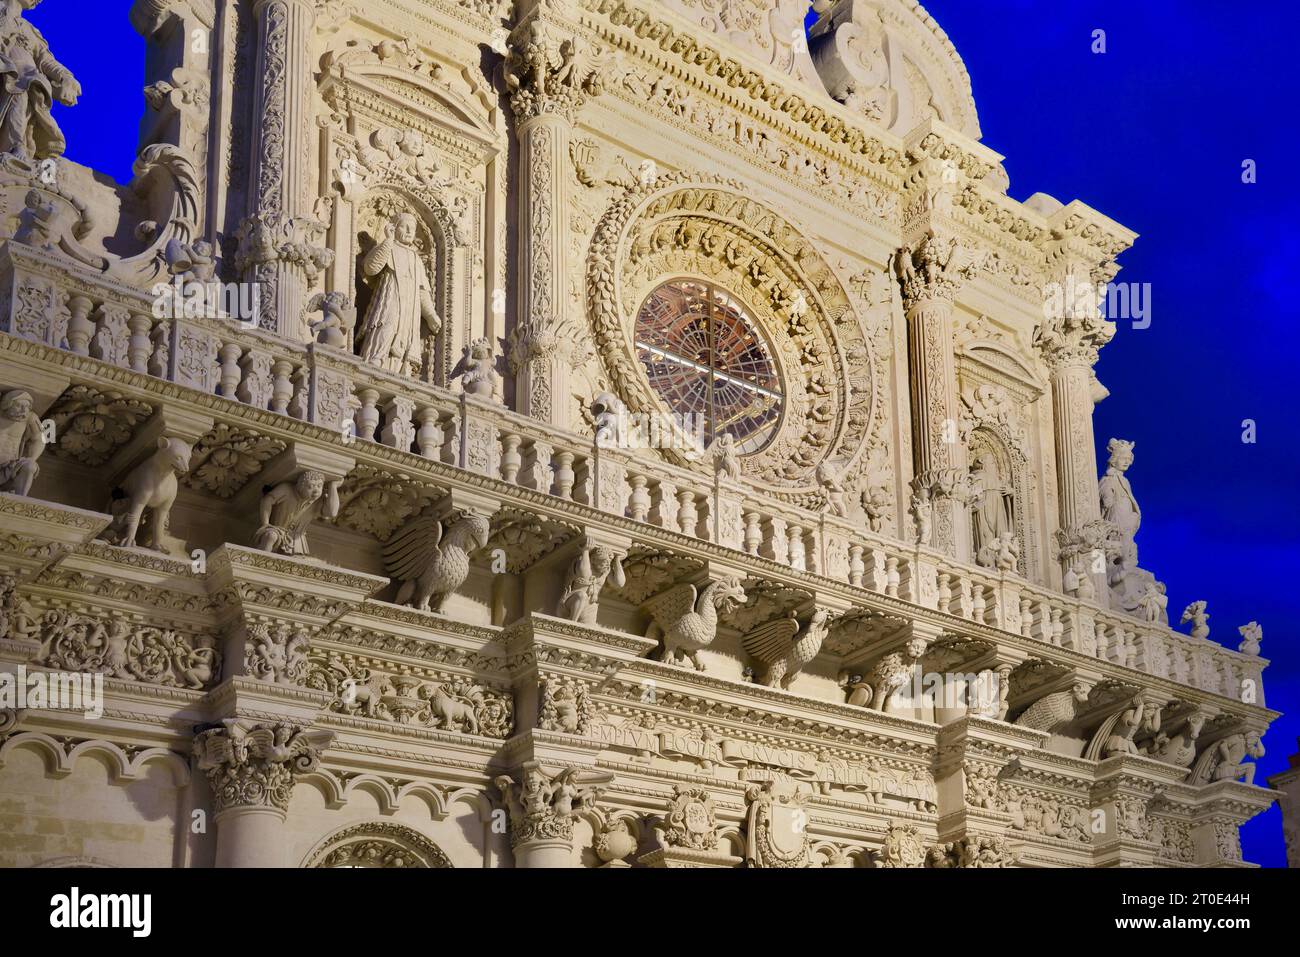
(705, 356)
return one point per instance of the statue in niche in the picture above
(290, 507)
(992, 507)
(21, 443)
(32, 81)
(401, 304)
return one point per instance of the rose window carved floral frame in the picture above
(712, 229)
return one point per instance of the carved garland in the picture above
(381, 844)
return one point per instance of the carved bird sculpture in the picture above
(431, 565)
(781, 651)
(686, 621)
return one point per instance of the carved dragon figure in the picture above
(686, 621)
(781, 651)
(432, 565)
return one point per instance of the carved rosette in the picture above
(831, 372)
(255, 767)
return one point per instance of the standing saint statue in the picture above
(30, 81)
(1118, 504)
(991, 510)
(401, 304)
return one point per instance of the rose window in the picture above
(704, 356)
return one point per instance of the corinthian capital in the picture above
(255, 765)
(550, 72)
(1073, 329)
(933, 269)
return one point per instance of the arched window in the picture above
(704, 355)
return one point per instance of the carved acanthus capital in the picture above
(294, 240)
(550, 71)
(254, 766)
(1067, 340)
(933, 269)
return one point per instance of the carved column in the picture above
(1068, 340)
(281, 240)
(930, 274)
(251, 770)
(550, 74)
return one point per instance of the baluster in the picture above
(367, 417)
(797, 553)
(639, 503)
(688, 514)
(753, 532)
(80, 328)
(112, 338)
(429, 437)
(281, 385)
(511, 460)
(944, 591)
(228, 381)
(893, 577)
(140, 345)
(300, 403)
(160, 359)
(1026, 616)
(562, 463)
(1058, 629)
(857, 567)
(978, 604)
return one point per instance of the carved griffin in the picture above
(781, 650)
(430, 564)
(892, 673)
(686, 621)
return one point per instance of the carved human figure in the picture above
(1118, 504)
(338, 316)
(1078, 583)
(290, 507)
(1199, 619)
(587, 576)
(1154, 601)
(31, 80)
(1229, 758)
(475, 369)
(722, 452)
(991, 510)
(923, 515)
(21, 443)
(1251, 636)
(193, 262)
(402, 301)
(1121, 739)
(832, 488)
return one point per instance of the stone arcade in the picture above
(376, 574)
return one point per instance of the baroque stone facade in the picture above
(575, 433)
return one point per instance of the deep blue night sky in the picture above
(1153, 133)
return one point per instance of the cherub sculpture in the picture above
(722, 452)
(432, 565)
(607, 414)
(22, 442)
(1251, 635)
(587, 576)
(1195, 613)
(832, 488)
(289, 508)
(686, 620)
(192, 262)
(781, 649)
(338, 317)
(475, 369)
(923, 515)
